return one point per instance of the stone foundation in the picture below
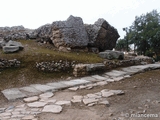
(4, 63)
(88, 69)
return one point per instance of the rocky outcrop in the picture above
(102, 35)
(15, 33)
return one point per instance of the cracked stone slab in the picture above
(57, 85)
(87, 101)
(30, 91)
(98, 77)
(13, 93)
(131, 71)
(63, 103)
(43, 88)
(46, 95)
(75, 82)
(52, 108)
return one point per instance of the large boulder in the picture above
(109, 54)
(64, 34)
(70, 33)
(14, 33)
(102, 35)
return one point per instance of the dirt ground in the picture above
(142, 96)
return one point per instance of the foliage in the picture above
(144, 33)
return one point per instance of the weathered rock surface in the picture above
(15, 33)
(102, 35)
(70, 33)
(12, 46)
(109, 54)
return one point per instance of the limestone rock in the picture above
(87, 101)
(36, 104)
(109, 54)
(12, 46)
(31, 99)
(69, 33)
(52, 108)
(102, 35)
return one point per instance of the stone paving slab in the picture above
(43, 88)
(116, 73)
(98, 77)
(91, 79)
(75, 82)
(13, 93)
(29, 91)
(58, 85)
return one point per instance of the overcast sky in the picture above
(35, 13)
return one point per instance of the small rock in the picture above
(102, 83)
(52, 108)
(75, 101)
(91, 104)
(93, 96)
(31, 99)
(73, 88)
(78, 97)
(46, 95)
(89, 100)
(2, 110)
(63, 103)
(82, 87)
(29, 117)
(106, 93)
(105, 102)
(117, 92)
(36, 104)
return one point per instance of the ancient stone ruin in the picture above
(67, 35)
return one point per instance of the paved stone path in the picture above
(38, 98)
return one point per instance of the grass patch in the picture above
(32, 53)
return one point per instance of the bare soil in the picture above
(142, 96)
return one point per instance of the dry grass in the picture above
(32, 53)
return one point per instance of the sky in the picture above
(35, 13)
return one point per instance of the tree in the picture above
(144, 33)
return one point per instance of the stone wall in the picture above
(4, 63)
(88, 69)
(55, 66)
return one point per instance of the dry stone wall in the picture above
(4, 63)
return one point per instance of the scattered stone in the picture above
(74, 88)
(46, 95)
(36, 104)
(106, 93)
(102, 83)
(78, 97)
(2, 110)
(117, 92)
(105, 102)
(76, 100)
(31, 99)
(63, 103)
(91, 104)
(93, 96)
(52, 108)
(28, 117)
(82, 87)
(89, 100)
